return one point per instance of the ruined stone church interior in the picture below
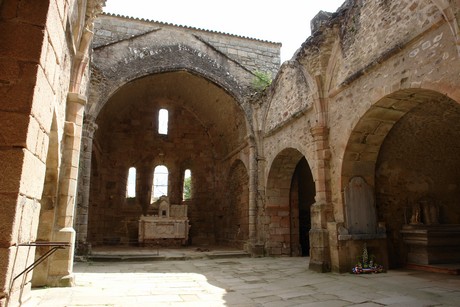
(124, 132)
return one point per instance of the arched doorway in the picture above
(417, 183)
(204, 125)
(405, 149)
(302, 197)
(290, 193)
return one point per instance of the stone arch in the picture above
(48, 202)
(388, 148)
(282, 204)
(232, 223)
(207, 129)
(160, 60)
(223, 88)
(367, 136)
(450, 9)
(302, 96)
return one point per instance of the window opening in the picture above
(187, 187)
(160, 182)
(163, 121)
(131, 183)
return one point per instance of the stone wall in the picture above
(372, 94)
(40, 118)
(135, 142)
(232, 218)
(362, 72)
(203, 74)
(291, 97)
(371, 30)
(415, 166)
(253, 54)
(361, 85)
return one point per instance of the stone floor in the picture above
(243, 281)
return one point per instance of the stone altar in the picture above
(169, 227)
(428, 241)
(432, 244)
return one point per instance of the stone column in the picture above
(252, 192)
(256, 248)
(84, 183)
(321, 211)
(61, 263)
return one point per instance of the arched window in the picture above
(160, 182)
(131, 183)
(163, 121)
(187, 186)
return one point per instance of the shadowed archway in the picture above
(205, 125)
(406, 149)
(290, 193)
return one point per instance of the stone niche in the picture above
(170, 227)
(361, 218)
(361, 226)
(427, 240)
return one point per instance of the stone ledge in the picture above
(371, 236)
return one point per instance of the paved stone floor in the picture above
(244, 282)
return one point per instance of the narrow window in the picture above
(131, 183)
(160, 182)
(163, 121)
(187, 188)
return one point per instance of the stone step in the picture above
(164, 256)
(451, 268)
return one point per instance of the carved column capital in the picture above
(89, 128)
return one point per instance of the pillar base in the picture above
(83, 249)
(320, 260)
(257, 250)
(320, 267)
(61, 281)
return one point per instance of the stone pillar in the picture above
(84, 183)
(252, 193)
(261, 218)
(61, 264)
(321, 211)
(255, 247)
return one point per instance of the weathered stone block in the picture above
(34, 12)
(27, 225)
(33, 175)
(49, 60)
(11, 162)
(17, 96)
(275, 251)
(20, 41)
(282, 231)
(13, 129)
(9, 208)
(55, 29)
(43, 102)
(285, 222)
(319, 238)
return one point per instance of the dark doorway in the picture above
(302, 197)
